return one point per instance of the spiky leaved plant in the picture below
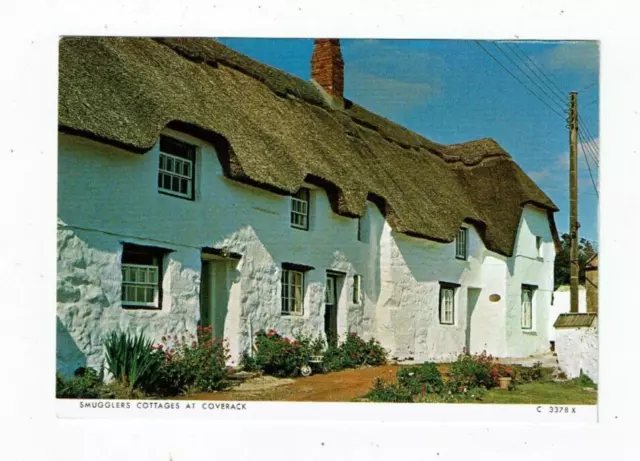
(130, 358)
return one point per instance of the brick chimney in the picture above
(327, 66)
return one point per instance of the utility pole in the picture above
(573, 198)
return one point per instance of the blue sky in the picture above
(452, 91)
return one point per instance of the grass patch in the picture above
(569, 392)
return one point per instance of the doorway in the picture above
(473, 294)
(331, 297)
(215, 285)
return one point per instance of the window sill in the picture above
(459, 258)
(530, 332)
(141, 308)
(290, 315)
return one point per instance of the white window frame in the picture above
(462, 244)
(300, 208)
(526, 309)
(136, 277)
(175, 173)
(292, 294)
(357, 289)
(446, 310)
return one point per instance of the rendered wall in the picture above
(577, 349)
(108, 196)
(530, 268)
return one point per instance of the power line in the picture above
(591, 102)
(593, 145)
(551, 96)
(588, 86)
(518, 80)
(561, 92)
(590, 174)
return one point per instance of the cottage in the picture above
(198, 186)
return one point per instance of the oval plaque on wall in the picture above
(494, 298)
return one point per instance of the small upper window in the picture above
(447, 303)
(176, 169)
(539, 247)
(363, 228)
(461, 243)
(141, 276)
(357, 282)
(300, 209)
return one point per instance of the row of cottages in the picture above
(198, 186)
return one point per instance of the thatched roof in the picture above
(275, 131)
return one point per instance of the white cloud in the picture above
(389, 79)
(581, 56)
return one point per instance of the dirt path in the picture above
(341, 386)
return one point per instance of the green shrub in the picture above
(85, 384)
(584, 381)
(121, 391)
(196, 363)
(354, 352)
(277, 355)
(420, 378)
(248, 362)
(388, 392)
(535, 373)
(452, 394)
(130, 358)
(471, 371)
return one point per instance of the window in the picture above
(330, 291)
(461, 243)
(141, 276)
(292, 291)
(300, 209)
(363, 229)
(357, 282)
(176, 169)
(447, 303)
(539, 247)
(527, 307)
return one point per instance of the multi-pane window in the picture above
(300, 209)
(141, 274)
(447, 304)
(292, 291)
(176, 169)
(357, 282)
(461, 243)
(527, 307)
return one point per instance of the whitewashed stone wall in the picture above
(108, 196)
(528, 267)
(577, 349)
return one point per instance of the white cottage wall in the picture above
(411, 270)
(527, 266)
(577, 350)
(108, 196)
